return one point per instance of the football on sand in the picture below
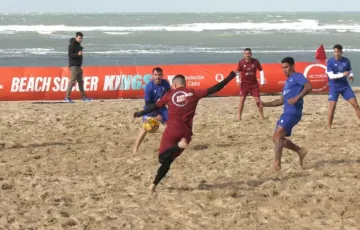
(151, 124)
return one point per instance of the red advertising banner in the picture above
(111, 82)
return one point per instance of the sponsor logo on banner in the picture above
(56, 84)
(46, 84)
(126, 82)
(219, 77)
(319, 80)
(49, 83)
(190, 80)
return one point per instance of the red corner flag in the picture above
(320, 54)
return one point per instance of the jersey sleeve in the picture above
(329, 67)
(301, 79)
(163, 101)
(239, 66)
(349, 66)
(148, 93)
(258, 65)
(200, 93)
(167, 86)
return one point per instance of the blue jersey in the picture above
(338, 66)
(293, 86)
(154, 92)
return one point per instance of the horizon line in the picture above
(179, 12)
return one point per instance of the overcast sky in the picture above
(176, 6)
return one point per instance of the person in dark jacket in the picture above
(75, 54)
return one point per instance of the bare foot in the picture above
(152, 188)
(262, 118)
(302, 153)
(182, 143)
(277, 166)
(135, 150)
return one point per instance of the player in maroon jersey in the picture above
(248, 82)
(181, 102)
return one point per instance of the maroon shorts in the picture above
(171, 136)
(253, 91)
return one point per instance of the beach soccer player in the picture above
(154, 90)
(295, 88)
(181, 102)
(339, 72)
(247, 81)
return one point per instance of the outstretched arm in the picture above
(152, 107)
(149, 108)
(275, 103)
(221, 84)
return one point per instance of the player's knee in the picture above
(165, 159)
(356, 106)
(277, 138)
(332, 107)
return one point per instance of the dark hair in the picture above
(158, 69)
(79, 34)
(247, 49)
(338, 46)
(288, 60)
(181, 78)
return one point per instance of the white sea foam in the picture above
(301, 25)
(117, 33)
(178, 50)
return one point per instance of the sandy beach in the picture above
(71, 166)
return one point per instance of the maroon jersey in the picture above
(247, 71)
(181, 104)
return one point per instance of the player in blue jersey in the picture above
(295, 88)
(154, 90)
(339, 71)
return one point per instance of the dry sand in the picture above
(70, 166)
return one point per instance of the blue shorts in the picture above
(288, 122)
(345, 91)
(163, 113)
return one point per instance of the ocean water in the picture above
(176, 38)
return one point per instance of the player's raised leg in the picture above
(300, 151)
(165, 159)
(162, 117)
(282, 142)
